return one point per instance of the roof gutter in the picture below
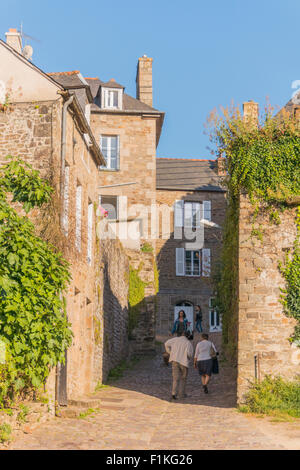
(84, 127)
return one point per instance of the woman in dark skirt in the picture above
(203, 360)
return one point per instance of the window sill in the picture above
(109, 169)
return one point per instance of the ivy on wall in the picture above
(33, 321)
(136, 296)
(262, 161)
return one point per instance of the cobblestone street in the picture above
(136, 414)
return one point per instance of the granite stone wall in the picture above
(263, 328)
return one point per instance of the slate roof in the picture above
(130, 104)
(187, 174)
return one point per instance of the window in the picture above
(110, 148)
(215, 321)
(66, 200)
(78, 217)
(193, 262)
(90, 233)
(111, 98)
(189, 213)
(110, 203)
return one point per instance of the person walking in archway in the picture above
(181, 324)
(199, 318)
(181, 351)
(203, 359)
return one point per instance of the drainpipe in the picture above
(62, 184)
(63, 148)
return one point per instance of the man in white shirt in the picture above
(181, 351)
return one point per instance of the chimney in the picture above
(221, 166)
(14, 40)
(144, 80)
(250, 111)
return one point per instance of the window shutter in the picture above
(207, 210)
(206, 262)
(178, 214)
(179, 261)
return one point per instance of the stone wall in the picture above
(110, 321)
(143, 335)
(263, 328)
(174, 289)
(33, 131)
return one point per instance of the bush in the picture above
(274, 395)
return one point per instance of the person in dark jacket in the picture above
(198, 319)
(181, 324)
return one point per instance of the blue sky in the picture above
(206, 54)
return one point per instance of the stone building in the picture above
(192, 203)
(128, 131)
(46, 122)
(263, 328)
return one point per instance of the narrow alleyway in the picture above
(136, 414)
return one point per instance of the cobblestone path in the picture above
(136, 414)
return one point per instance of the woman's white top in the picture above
(202, 352)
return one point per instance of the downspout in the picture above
(63, 150)
(62, 184)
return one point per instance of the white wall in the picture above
(22, 81)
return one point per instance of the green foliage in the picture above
(262, 161)
(156, 277)
(273, 395)
(33, 322)
(24, 410)
(147, 248)
(291, 294)
(136, 297)
(226, 279)
(89, 412)
(117, 372)
(5, 432)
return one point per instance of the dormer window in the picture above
(111, 98)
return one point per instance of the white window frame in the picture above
(192, 263)
(181, 209)
(78, 217)
(90, 233)
(108, 159)
(212, 311)
(107, 98)
(204, 265)
(117, 209)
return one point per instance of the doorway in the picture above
(188, 308)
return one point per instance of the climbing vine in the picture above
(136, 296)
(262, 161)
(33, 322)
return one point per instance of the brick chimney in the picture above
(144, 80)
(250, 111)
(14, 40)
